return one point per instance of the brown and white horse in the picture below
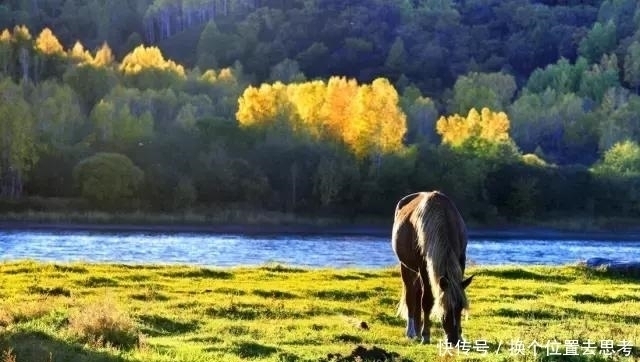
(430, 240)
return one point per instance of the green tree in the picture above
(600, 40)
(57, 114)
(562, 76)
(422, 115)
(90, 83)
(107, 180)
(623, 158)
(287, 71)
(397, 57)
(115, 124)
(479, 90)
(632, 65)
(18, 150)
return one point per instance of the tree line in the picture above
(87, 127)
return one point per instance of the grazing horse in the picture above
(430, 241)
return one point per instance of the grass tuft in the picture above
(104, 324)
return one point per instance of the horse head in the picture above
(451, 316)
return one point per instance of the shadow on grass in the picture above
(527, 314)
(343, 295)
(56, 291)
(283, 269)
(21, 270)
(517, 273)
(603, 299)
(206, 340)
(388, 301)
(149, 296)
(288, 357)
(347, 338)
(200, 273)
(96, 282)
(252, 311)
(70, 269)
(231, 291)
(156, 325)
(346, 277)
(390, 320)
(136, 278)
(253, 350)
(36, 346)
(277, 294)
(525, 296)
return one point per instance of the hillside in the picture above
(519, 110)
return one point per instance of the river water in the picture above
(224, 250)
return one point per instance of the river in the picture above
(332, 251)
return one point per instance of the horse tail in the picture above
(403, 309)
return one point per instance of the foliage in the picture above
(107, 179)
(484, 134)
(369, 122)
(324, 106)
(623, 158)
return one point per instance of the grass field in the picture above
(98, 312)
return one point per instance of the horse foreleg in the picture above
(408, 278)
(427, 305)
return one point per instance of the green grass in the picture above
(99, 312)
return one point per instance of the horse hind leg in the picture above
(427, 305)
(409, 300)
(417, 302)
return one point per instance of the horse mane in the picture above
(442, 239)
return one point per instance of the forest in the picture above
(519, 110)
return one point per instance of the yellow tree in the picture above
(391, 122)
(308, 99)
(209, 76)
(24, 42)
(264, 105)
(48, 44)
(484, 134)
(5, 51)
(142, 58)
(337, 110)
(377, 124)
(495, 126)
(5, 36)
(486, 125)
(79, 54)
(104, 56)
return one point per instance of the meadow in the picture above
(115, 313)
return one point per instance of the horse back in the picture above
(404, 238)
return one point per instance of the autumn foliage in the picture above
(142, 58)
(486, 125)
(367, 118)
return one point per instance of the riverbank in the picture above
(122, 313)
(236, 222)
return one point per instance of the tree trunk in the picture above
(294, 181)
(24, 63)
